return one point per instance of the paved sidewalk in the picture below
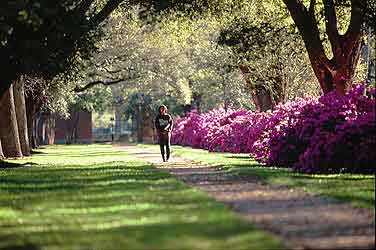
(303, 220)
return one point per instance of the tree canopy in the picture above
(43, 38)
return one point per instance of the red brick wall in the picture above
(84, 128)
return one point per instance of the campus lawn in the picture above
(357, 189)
(99, 197)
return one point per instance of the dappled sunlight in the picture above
(282, 94)
(359, 189)
(111, 200)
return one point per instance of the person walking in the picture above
(163, 125)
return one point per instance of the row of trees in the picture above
(39, 40)
(158, 46)
(264, 44)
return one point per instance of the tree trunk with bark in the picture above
(39, 129)
(336, 73)
(261, 96)
(8, 126)
(196, 102)
(1, 151)
(117, 128)
(71, 132)
(118, 102)
(50, 129)
(32, 107)
(19, 101)
(30, 127)
(262, 99)
(35, 131)
(140, 125)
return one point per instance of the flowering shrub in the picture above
(326, 135)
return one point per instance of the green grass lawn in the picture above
(357, 189)
(98, 197)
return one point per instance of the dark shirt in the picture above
(163, 123)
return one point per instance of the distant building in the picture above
(76, 129)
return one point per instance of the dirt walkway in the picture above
(303, 220)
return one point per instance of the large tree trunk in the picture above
(118, 101)
(19, 102)
(1, 151)
(34, 133)
(8, 126)
(46, 129)
(8, 73)
(39, 130)
(140, 125)
(262, 99)
(71, 131)
(336, 73)
(51, 130)
(196, 101)
(117, 128)
(261, 96)
(31, 114)
(30, 127)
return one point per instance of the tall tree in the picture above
(269, 55)
(334, 73)
(43, 37)
(8, 126)
(19, 102)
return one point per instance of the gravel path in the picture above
(303, 220)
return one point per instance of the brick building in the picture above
(76, 129)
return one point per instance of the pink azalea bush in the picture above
(329, 134)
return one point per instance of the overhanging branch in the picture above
(84, 6)
(331, 25)
(312, 7)
(78, 89)
(112, 71)
(105, 12)
(354, 31)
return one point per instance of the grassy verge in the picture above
(357, 189)
(98, 197)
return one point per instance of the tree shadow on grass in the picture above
(254, 168)
(34, 152)
(178, 233)
(85, 154)
(77, 177)
(27, 246)
(238, 157)
(341, 187)
(330, 177)
(7, 165)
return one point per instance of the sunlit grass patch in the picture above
(99, 197)
(354, 188)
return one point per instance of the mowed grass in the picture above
(357, 189)
(98, 197)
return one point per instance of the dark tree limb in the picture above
(112, 71)
(331, 25)
(78, 89)
(336, 73)
(357, 19)
(84, 6)
(307, 26)
(312, 7)
(105, 12)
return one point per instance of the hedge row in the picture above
(329, 134)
